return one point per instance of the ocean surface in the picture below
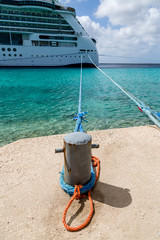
(42, 101)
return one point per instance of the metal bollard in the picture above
(77, 157)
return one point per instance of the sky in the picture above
(127, 31)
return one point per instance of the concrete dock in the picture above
(126, 197)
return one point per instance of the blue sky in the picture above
(126, 31)
(88, 8)
(85, 7)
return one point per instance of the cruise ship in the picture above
(42, 33)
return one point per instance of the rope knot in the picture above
(77, 191)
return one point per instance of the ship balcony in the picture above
(31, 2)
(38, 3)
(62, 8)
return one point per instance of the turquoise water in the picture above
(37, 102)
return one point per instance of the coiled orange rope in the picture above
(77, 195)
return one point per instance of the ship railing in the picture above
(57, 7)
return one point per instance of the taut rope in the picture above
(152, 114)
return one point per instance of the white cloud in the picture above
(64, 1)
(122, 12)
(137, 34)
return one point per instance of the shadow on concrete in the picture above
(111, 195)
(107, 194)
(82, 205)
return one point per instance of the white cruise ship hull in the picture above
(44, 56)
(42, 33)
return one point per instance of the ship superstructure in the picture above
(42, 33)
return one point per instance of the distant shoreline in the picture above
(129, 65)
(101, 65)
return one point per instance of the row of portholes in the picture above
(55, 56)
(9, 49)
(15, 55)
(69, 56)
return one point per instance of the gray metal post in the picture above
(77, 158)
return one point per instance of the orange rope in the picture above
(77, 195)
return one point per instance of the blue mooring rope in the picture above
(80, 116)
(70, 189)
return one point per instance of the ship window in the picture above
(15, 55)
(20, 55)
(14, 49)
(4, 54)
(9, 55)
(16, 39)
(67, 44)
(4, 38)
(43, 43)
(53, 44)
(67, 28)
(9, 49)
(3, 49)
(94, 40)
(57, 37)
(34, 43)
(44, 37)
